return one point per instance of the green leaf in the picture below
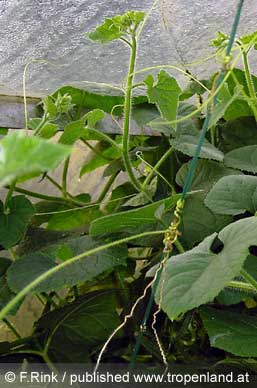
(79, 327)
(229, 296)
(165, 94)
(186, 142)
(102, 99)
(79, 129)
(225, 99)
(238, 133)
(13, 225)
(114, 28)
(141, 198)
(50, 107)
(29, 267)
(221, 40)
(132, 218)
(104, 155)
(32, 155)
(235, 333)
(194, 88)
(240, 75)
(244, 158)
(197, 276)
(48, 130)
(206, 174)
(73, 218)
(233, 195)
(250, 38)
(199, 222)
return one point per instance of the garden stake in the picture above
(172, 233)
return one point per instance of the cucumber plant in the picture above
(89, 261)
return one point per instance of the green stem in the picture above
(156, 168)
(248, 76)
(107, 187)
(8, 197)
(249, 278)
(9, 306)
(104, 137)
(252, 100)
(12, 328)
(241, 286)
(179, 246)
(69, 198)
(39, 195)
(41, 124)
(64, 177)
(95, 151)
(53, 181)
(127, 112)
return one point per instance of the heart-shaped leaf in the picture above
(234, 332)
(13, 224)
(197, 276)
(29, 267)
(243, 158)
(234, 194)
(165, 94)
(144, 215)
(80, 326)
(32, 155)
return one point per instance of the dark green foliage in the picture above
(88, 260)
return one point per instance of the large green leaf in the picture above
(29, 267)
(13, 224)
(165, 94)
(141, 198)
(104, 155)
(199, 222)
(186, 140)
(21, 155)
(233, 195)
(73, 218)
(237, 133)
(132, 218)
(79, 327)
(79, 129)
(244, 158)
(225, 99)
(197, 276)
(233, 332)
(206, 174)
(114, 28)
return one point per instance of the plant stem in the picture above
(248, 76)
(8, 197)
(39, 195)
(104, 137)
(242, 286)
(12, 328)
(156, 168)
(53, 181)
(107, 187)
(64, 177)
(249, 278)
(127, 112)
(40, 126)
(94, 150)
(48, 197)
(250, 85)
(179, 246)
(10, 305)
